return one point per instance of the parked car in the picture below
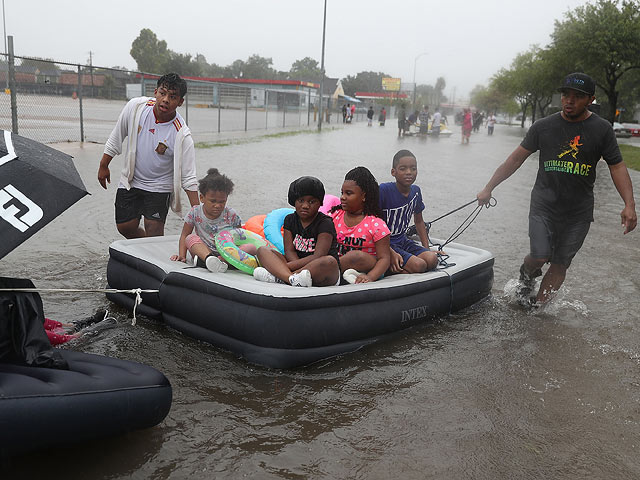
(621, 131)
(634, 128)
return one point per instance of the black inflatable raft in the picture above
(281, 326)
(97, 397)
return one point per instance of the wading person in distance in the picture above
(570, 142)
(160, 158)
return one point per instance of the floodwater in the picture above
(489, 392)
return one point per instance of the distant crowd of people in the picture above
(424, 123)
(422, 120)
(471, 122)
(349, 110)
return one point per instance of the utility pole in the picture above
(4, 28)
(6, 51)
(12, 88)
(324, 25)
(415, 61)
(91, 71)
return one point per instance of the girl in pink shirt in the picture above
(363, 237)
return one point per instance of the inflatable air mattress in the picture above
(280, 326)
(97, 397)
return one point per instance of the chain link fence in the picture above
(52, 101)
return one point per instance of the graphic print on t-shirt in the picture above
(563, 166)
(302, 244)
(348, 243)
(397, 219)
(362, 236)
(573, 147)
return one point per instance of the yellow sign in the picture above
(391, 84)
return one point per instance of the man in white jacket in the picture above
(160, 158)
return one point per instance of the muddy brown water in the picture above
(490, 392)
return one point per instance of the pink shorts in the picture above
(192, 239)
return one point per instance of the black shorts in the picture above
(558, 242)
(134, 203)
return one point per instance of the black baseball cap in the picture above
(580, 82)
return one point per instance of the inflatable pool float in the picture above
(273, 226)
(97, 397)
(255, 224)
(228, 243)
(282, 326)
(328, 203)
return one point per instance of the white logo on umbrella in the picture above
(11, 154)
(10, 212)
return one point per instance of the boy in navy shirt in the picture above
(399, 201)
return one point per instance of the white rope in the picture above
(136, 291)
(108, 317)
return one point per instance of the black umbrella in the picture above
(37, 183)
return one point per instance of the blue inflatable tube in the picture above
(273, 226)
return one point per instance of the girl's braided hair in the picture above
(215, 181)
(367, 182)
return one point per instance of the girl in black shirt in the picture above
(310, 247)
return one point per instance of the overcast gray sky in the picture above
(466, 41)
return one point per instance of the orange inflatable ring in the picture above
(255, 224)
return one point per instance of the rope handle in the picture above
(492, 203)
(466, 223)
(442, 258)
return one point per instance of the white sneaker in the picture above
(350, 275)
(215, 265)
(301, 279)
(263, 275)
(191, 260)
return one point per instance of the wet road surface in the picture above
(491, 392)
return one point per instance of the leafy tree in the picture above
(479, 97)
(531, 80)
(211, 70)
(182, 64)
(236, 69)
(429, 95)
(629, 88)
(306, 69)
(547, 75)
(603, 40)
(150, 54)
(259, 67)
(507, 81)
(492, 99)
(363, 82)
(439, 88)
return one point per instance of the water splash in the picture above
(555, 307)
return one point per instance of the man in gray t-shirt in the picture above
(570, 142)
